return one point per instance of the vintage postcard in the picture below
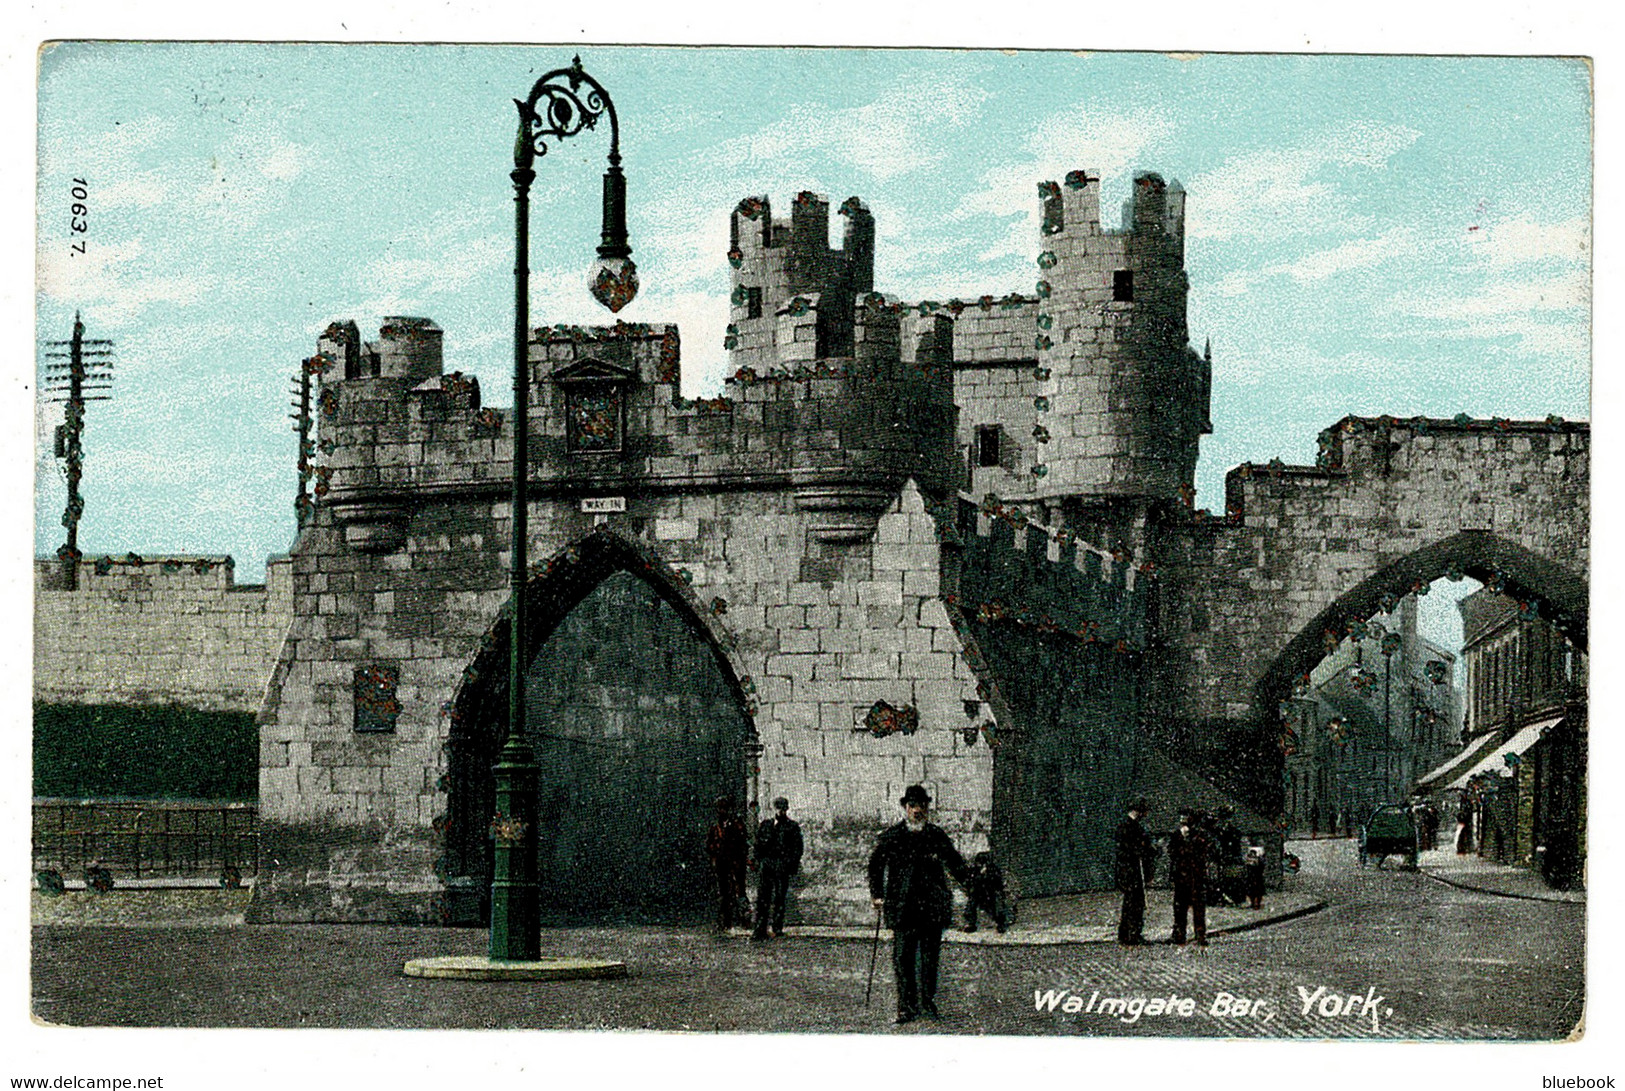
(897, 542)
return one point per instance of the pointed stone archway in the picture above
(1543, 588)
(1547, 589)
(639, 722)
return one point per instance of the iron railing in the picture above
(147, 839)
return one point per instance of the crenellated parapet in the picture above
(1056, 632)
(1367, 450)
(606, 417)
(158, 630)
(1012, 570)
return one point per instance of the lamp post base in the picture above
(481, 968)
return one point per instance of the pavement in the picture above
(141, 907)
(1092, 918)
(1464, 872)
(1472, 872)
(1042, 922)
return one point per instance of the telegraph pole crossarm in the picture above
(73, 368)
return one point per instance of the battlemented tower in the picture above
(784, 270)
(1122, 398)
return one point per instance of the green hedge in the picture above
(144, 752)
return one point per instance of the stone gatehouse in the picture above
(940, 542)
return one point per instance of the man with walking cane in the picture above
(907, 883)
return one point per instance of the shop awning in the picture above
(1473, 752)
(1496, 761)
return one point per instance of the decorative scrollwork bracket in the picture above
(573, 101)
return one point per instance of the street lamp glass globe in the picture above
(613, 282)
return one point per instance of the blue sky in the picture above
(1365, 234)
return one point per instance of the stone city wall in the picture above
(995, 384)
(166, 630)
(1056, 628)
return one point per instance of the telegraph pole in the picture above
(307, 450)
(83, 373)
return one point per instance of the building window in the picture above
(753, 303)
(987, 445)
(1123, 286)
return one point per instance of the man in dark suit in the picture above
(1134, 864)
(906, 880)
(1188, 850)
(778, 855)
(725, 844)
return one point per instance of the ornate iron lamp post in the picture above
(561, 104)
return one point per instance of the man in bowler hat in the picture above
(1188, 849)
(778, 856)
(1135, 861)
(906, 880)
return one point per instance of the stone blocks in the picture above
(164, 630)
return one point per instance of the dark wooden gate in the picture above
(637, 732)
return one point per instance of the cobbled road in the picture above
(1424, 960)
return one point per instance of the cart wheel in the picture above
(50, 883)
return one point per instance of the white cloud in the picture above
(702, 319)
(1530, 316)
(143, 189)
(108, 279)
(1267, 361)
(248, 175)
(1274, 193)
(888, 137)
(1521, 241)
(693, 250)
(1514, 278)
(445, 269)
(116, 148)
(1349, 256)
(1504, 298)
(1231, 285)
(1517, 278)
(1566, 342)
(285, 161)
(1353, 256)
